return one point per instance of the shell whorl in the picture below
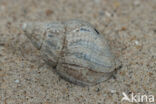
(79, 52)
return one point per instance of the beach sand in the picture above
(128, 25)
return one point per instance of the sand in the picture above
(128, 25)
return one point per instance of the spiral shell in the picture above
(75, 50)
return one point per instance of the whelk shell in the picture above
(75, 50)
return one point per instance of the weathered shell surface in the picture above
(80, 54)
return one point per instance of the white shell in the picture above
(80, 54)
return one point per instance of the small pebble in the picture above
(108, 14)
(97, 90)
(16, 81)
(136, 42)
(113, 91)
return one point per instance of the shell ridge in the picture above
(83, 43)
(89, 58)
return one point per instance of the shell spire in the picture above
(35, 32)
